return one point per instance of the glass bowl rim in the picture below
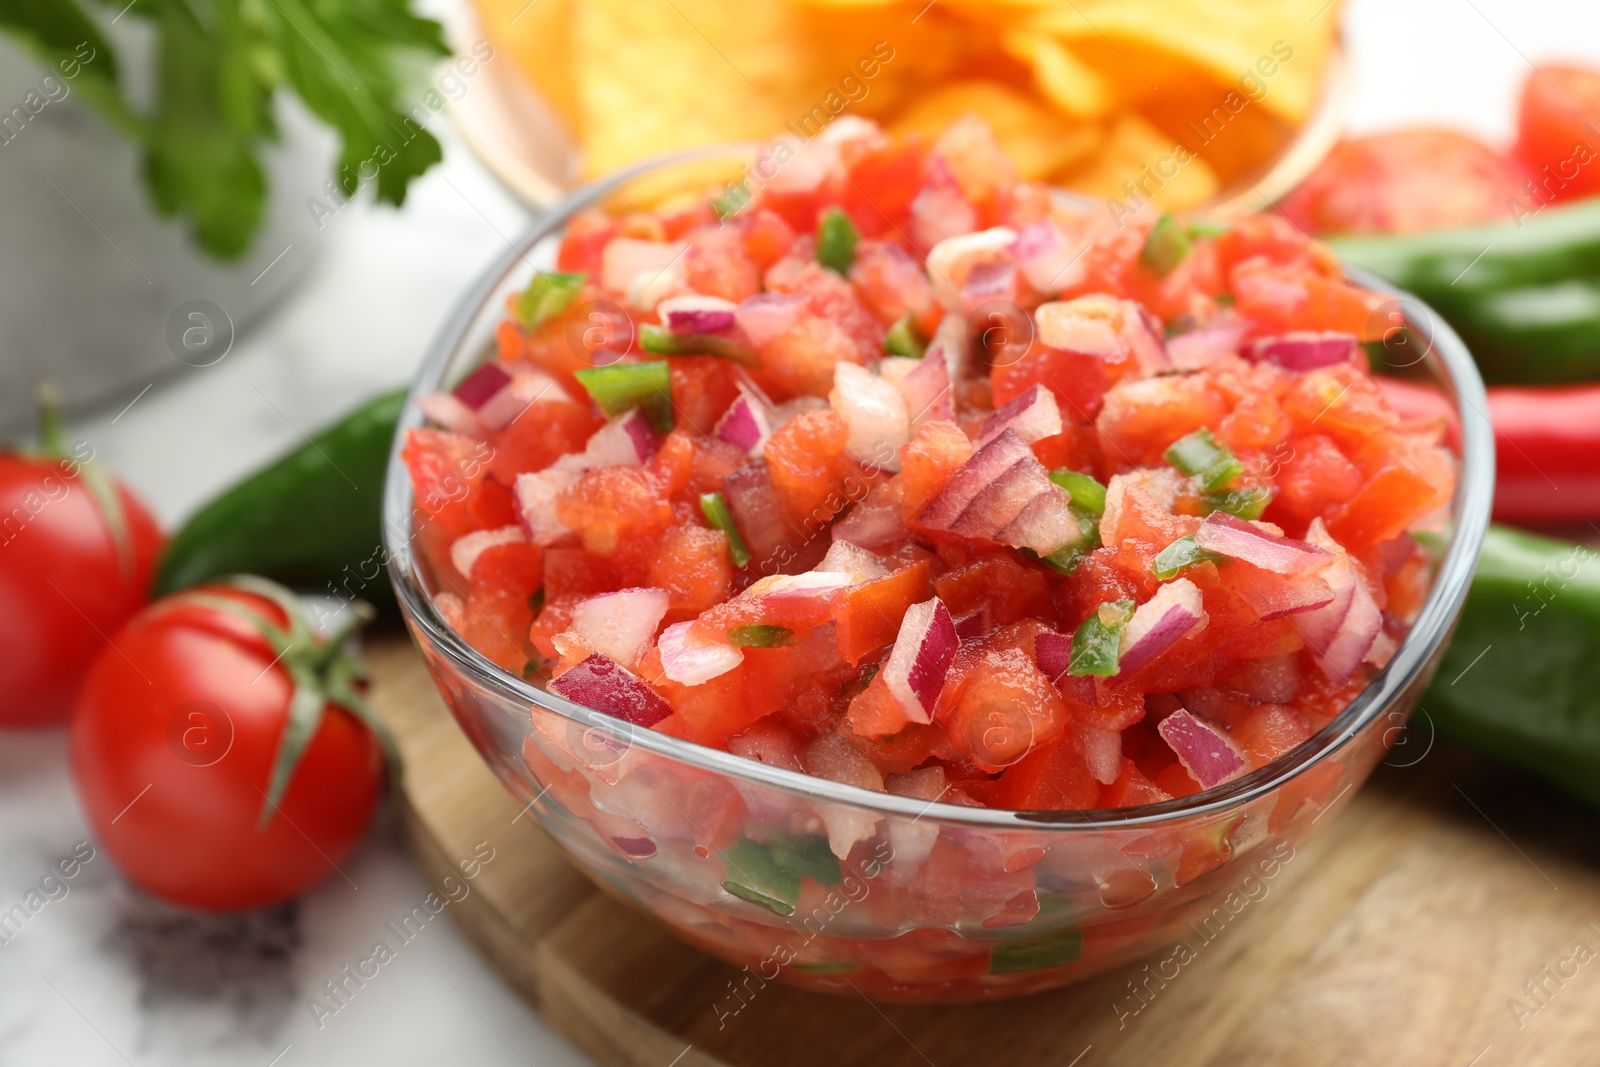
(1475, 486)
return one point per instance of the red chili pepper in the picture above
(1547, 446)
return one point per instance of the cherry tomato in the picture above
(65, 581)
(1404, 181)
(174, 739)
(1558, 131)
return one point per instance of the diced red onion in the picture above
(484, 382)
(1102, 751)
(445, 410)
(952, 261)
(921, 657)
(605, 685)
(1033, 416)
(1237, 539)
(1159, 623)
(536, 494)
(926, 389)
(465, 550)
(626, 440)
(989, 281)
(526, 386)
(974, 626)
(767, 316)
(639, 848)
(1276, 596)
(1205, 752)
(939, 211)
(1045, 525)
(804, 167)
(1200, 348)
(1104, 327)
(987, 465)
(693, 313)
(1046, 259)
(1304, 349)
(872, 526)
(1053, 653)
(745, 424)
(625, 259)
(846, 558)
(621, 624)
(874, 415)
(689, 662)
(810, 585)
(1344, 633)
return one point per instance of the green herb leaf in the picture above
(715, 509)
(1097, 643)
(617, 387)
(549, 294)
(1180, 554)
(219, 64)
(837, 238)
(760, 635)
(903, 340)
(1199, 455)
(1087, 494)
(1167, 245)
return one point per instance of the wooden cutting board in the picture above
(1450, 916)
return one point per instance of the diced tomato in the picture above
(1007, 589)
(692, 565)
(1279, 299)
(717, 265)
(1383, 509)
(610, 505)
(554, 618)
(702, 389)
(1267, 732)
(1053, 776)
(805, 459)
(544, 432)
(498, 613)
(766, 237)
(893, 284)
(1005, 710)
(1131, 789)
(574, 572)
(929, 461)
(868, 615)
(1316, 478)
(450, 481)
(1142, 418)
(883, 182)
(587, 235)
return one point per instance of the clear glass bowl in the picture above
(935, 902)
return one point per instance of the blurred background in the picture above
(198, 251)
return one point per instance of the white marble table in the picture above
(102, 975)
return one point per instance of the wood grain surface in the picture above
(1450, 916)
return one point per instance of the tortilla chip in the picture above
(1065, 80)
(1139, 162)
(1039, 141)
(535, 35)
(1230, 39)
(669, 74)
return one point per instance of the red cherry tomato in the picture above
(64, 582)
(1558, 131)
(173, 741)
(1404, 181)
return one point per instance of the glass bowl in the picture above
(933, 902)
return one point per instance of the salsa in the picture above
(902, 472)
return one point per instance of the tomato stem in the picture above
(52, 431)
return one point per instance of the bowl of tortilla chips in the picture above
(1219, 105)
